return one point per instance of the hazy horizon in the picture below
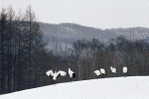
(94, 13)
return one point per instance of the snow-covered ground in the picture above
(111, 88)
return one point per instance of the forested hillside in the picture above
(32, 53)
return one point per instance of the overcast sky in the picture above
(96, 13)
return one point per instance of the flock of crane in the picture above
(71, 73)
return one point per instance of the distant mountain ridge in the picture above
(66, 33)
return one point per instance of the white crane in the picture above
(102, 71)
(71, 73)
(113, 69)
(125, 70)
(97, 72)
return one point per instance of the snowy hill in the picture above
(115, 88)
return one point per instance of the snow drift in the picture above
(111, 88)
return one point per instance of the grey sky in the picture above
(97, 13)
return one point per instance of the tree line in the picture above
(119, 52)
(21, 48)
